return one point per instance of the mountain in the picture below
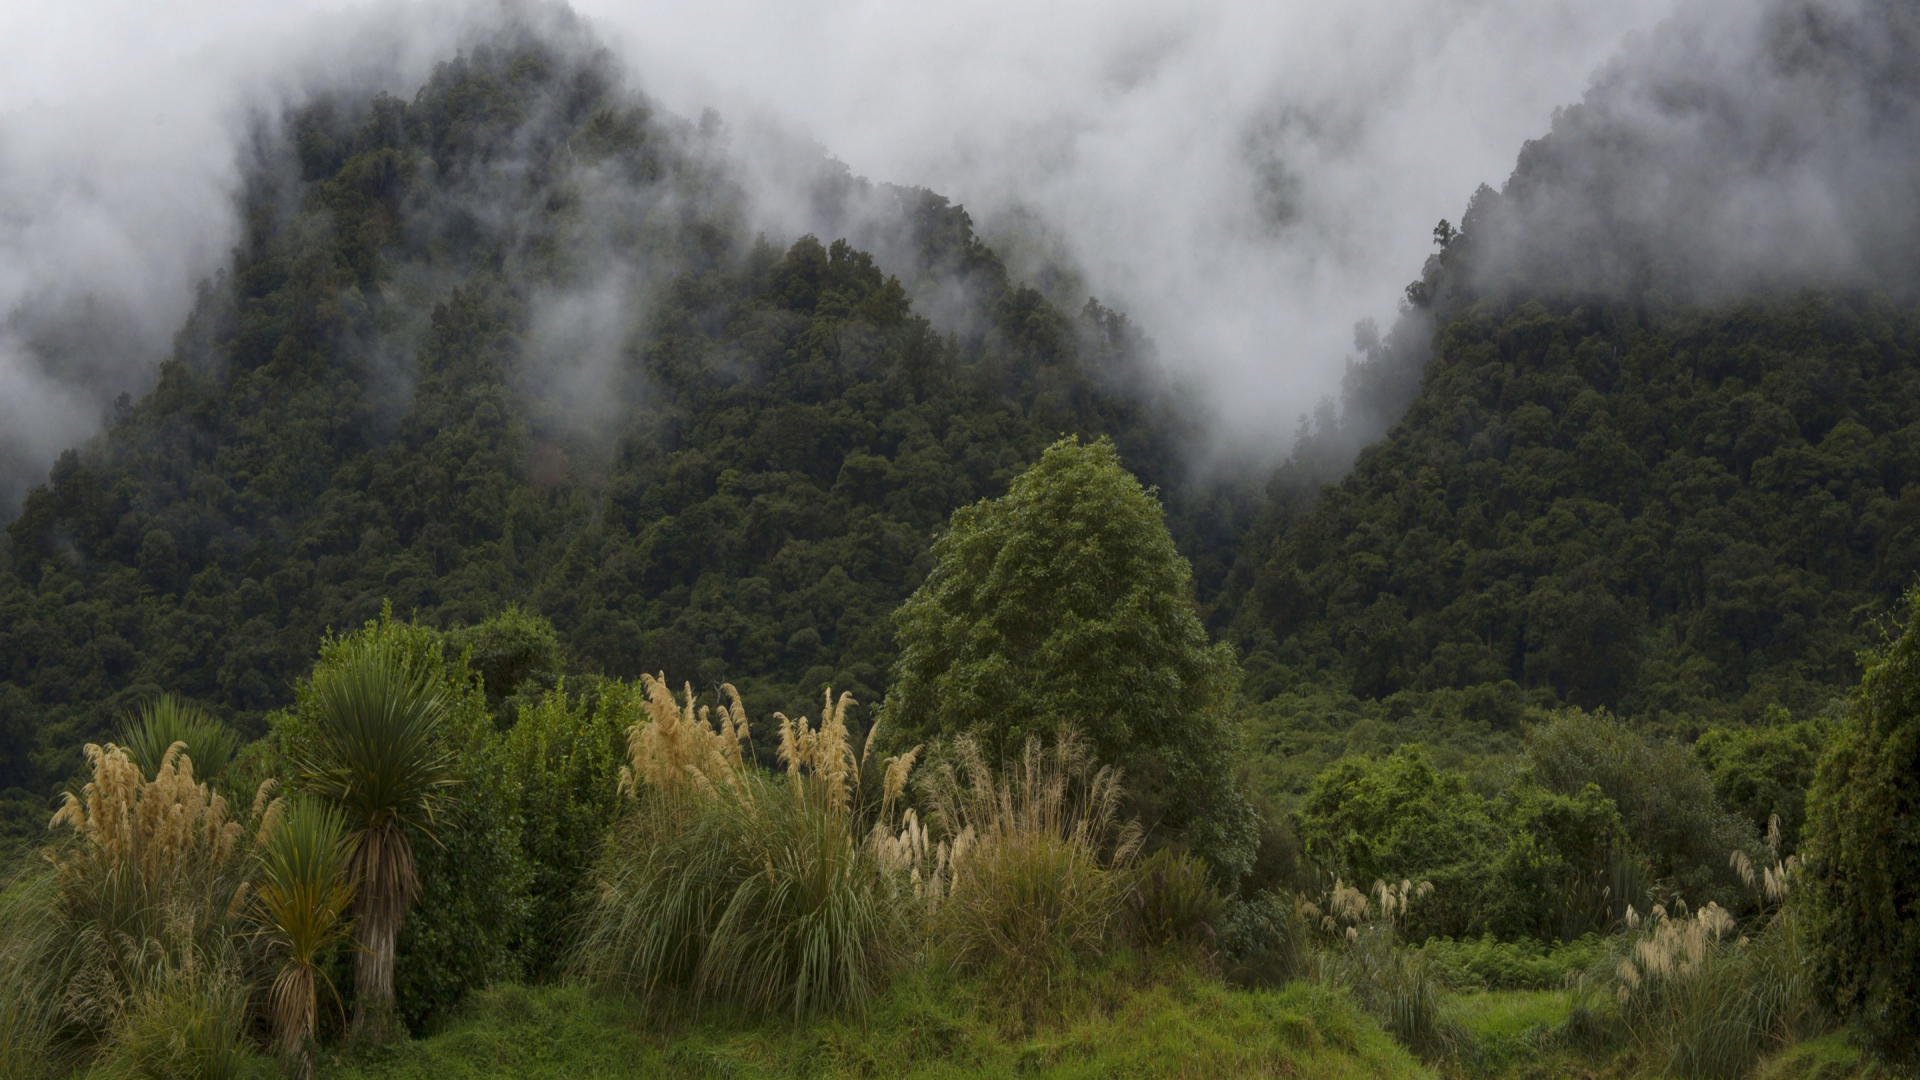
(515, 340)
(510, 341)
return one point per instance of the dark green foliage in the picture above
(517, 655)
(1174, 902)
(1487, 963)
(1400, 818)
(1660, 510)
(1065, 603)
(1763, 772)
(1530, 862)
(150, 733)
(471, 912)
(1862, 847)
(1666, 801)
(566, 752)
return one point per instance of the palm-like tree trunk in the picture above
(383, 863)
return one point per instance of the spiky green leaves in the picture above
(147, 735)
(303, 892)
(379, 755)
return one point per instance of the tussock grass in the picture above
(726, 885)
(1700, 1000)
(1363, 952)
(1030, 874)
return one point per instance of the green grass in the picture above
(922, 1027)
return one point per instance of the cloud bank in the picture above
(1246, 179)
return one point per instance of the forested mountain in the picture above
(369, 407)
(511, 340)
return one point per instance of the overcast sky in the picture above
(1247, 179)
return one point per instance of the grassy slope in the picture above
(1192, 1028)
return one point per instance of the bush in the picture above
(1364, 952)
(565, 754)
(1399, 817)
(725, 885)
(1028, 878)
(1666, 800)
(1764, 772)
(471, 907)
(1862, 848)
(1173, 903)
(1261, 940)
(1066, 603)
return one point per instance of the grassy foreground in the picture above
(920, 1028)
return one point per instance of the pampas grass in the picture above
(1028, 875)
(1700, 1000)
(726, 885)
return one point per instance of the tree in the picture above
(379, 755)
(1862, 845)
(303, 894)
(1065, 603)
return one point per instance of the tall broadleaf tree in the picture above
(1065, 604)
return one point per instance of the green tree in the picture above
(380, 754)
(1862, 847)
(1065, 603)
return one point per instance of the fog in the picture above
(1246, 179)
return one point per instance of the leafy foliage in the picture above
(1065, 602)
(1862, 845)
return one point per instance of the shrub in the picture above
(723, 884)
(565, 754)
(470, 908)
(1398, 817)
(1764, 772)
(1028, 876)
(1172, 902)
(1065, 603)
(1261, 941)
(1862, 848)
(1364, 952)
(1666, 800)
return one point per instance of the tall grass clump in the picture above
(1363, 951)
(152, 879)
(1699, 1000)
(1029, 874)
(725, 884)
(30, 974)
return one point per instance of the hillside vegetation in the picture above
(536, 624)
